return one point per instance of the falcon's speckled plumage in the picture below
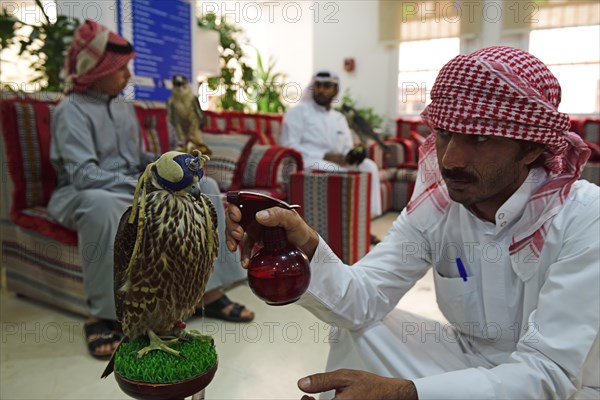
(165, 254)
(361, 127)
(184, 111)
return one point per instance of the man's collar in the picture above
(513, 208)
(320, 107)
(98, 96)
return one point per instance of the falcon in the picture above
(184, 112)
(165, 248)
(361, 127)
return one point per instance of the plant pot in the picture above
(164, 391)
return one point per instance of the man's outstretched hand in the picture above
(353, 384)
(298, 233)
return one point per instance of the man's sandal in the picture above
(103, 332)
(215, 310)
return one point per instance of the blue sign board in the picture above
(160, 31)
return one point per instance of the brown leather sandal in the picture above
(215, 310)
(103, 332)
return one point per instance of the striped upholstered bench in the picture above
(39, 256)
(336, 205)
(397, 172)
(591, 170)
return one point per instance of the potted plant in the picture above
(46, 44)
(267, 88)
(235, 72)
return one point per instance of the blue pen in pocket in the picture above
(461, 269)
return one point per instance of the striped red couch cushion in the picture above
(26, 131)
(271, 166)
(230, 154)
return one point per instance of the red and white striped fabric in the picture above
(94, 53)
(337, 206)
(503, 91)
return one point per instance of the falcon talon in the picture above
(185, 339)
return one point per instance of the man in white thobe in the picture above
(512, 236)
(321, 134)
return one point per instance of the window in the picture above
(419, 64)
(573, 56)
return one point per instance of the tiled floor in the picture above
(43, 354)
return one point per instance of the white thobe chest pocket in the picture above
(459, 300)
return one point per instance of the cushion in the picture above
(399, 151)
(591, 170)
(154, 127)
(590, 129)
(265, 126)
(256, 124)
(26, 129)
(387, 195)
(38, 219)
(595, 148)
(404, 185)
(275, 122)
(228, 159)
(215, 122)
(270, 166)
(235, 120)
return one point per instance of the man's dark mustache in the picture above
(458, 174)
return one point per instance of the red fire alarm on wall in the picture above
(349, 64)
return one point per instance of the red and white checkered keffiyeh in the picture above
(503, 91)
(94, 53)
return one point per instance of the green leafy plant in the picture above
(47, 44)
(8, 27)
(236, 74)
(374, 119)
(267, 88)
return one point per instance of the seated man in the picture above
(512, 237)
(98, 154)
(322, 134)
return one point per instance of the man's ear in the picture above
(532, 154)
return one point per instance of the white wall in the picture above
(284, 33)
(305, 36)
(103, 12)
(350, 29)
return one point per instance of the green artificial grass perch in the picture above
(160, 367)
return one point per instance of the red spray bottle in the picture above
(278, 273)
